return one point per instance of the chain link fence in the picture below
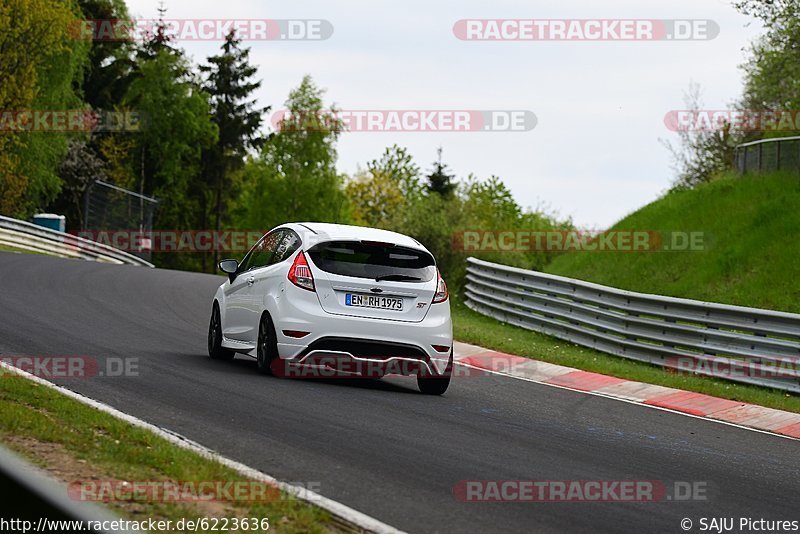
(765, 155)
(109, 208)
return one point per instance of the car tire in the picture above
(267, 349)
(436, 384)
(215, 348)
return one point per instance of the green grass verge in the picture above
(472, 327)
(49, 428)
(752, 252)
(9, 248)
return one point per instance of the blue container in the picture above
(51, 220)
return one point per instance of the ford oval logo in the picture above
(376, 290)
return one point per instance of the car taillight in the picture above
(441, 289)
(300, 273)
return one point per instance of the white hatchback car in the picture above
(349, 299)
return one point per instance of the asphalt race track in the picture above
(380, 446)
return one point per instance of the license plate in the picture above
(373, 301)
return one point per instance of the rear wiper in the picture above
(397, 278)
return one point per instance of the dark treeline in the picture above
(205, 149)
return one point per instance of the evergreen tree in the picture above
(440, 181)
(230, 86)
(108, 73)
(157, 38)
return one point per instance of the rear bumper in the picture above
(366, 358)
(402, 347)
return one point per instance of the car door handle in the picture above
(251, 280)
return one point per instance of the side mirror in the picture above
(229, 267)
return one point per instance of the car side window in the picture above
(247, 260)
(289, 243)
(264, 252)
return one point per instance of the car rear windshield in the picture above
(364, 259)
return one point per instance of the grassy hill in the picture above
(751, 255)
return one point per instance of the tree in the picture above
(157, 41)
(440, 181)
(380, 195)
(489, 204)
(78, 170)
(176, 128)
(238, 121)
(774, 13)
(772, 71)
(166, 155)
(110, 67)
(702, 154)
(375, 199)
(398, 165)
(40, 62)
(294, 177)
(435, 222)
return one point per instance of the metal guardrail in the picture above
(748, 345)
(764, 155)
(38, 503)
(29, 236)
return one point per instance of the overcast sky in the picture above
(594, 154)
